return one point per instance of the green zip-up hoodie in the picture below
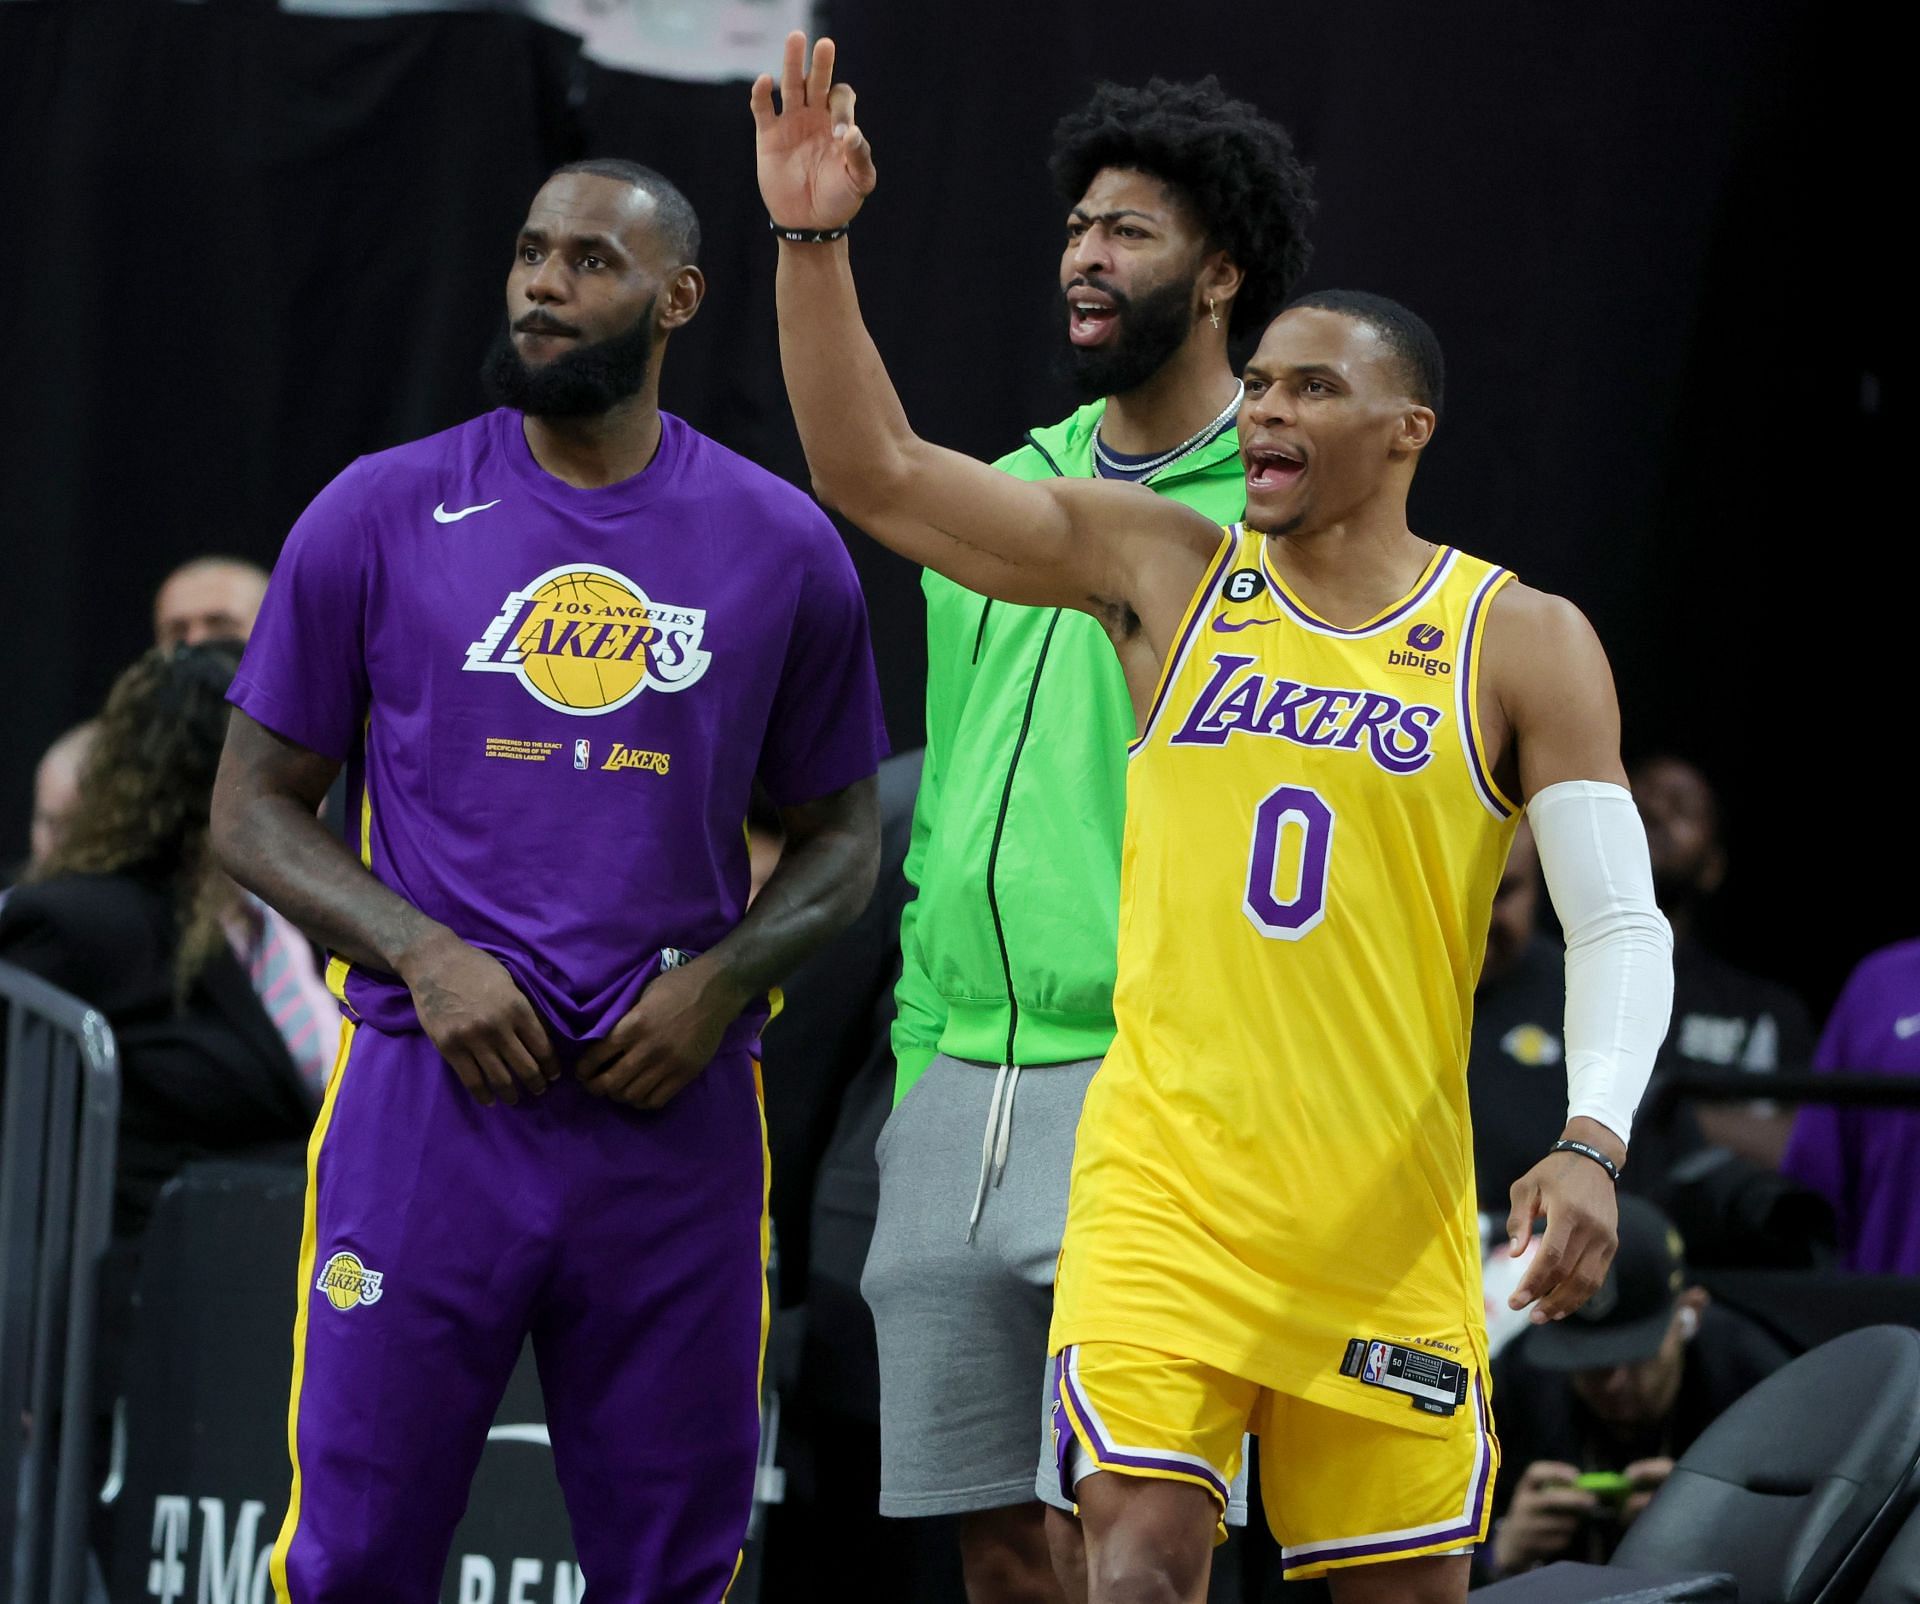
(1007, 949)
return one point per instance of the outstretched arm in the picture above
(1071, 543)
(1554, 693)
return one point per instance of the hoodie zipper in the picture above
(1006, 790)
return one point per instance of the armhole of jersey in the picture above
(1492, 798)
(1197, 609)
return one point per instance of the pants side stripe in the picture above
(766, 1296)
(309, 1252)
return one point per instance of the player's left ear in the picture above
(686, 289)
(1416, 428)
(1220, 280)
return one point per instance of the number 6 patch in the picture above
(1243, 584)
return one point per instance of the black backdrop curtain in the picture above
(244, 247)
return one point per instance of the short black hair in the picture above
(1235, 167)
(1405, 331)
(674, 215)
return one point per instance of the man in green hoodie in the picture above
(1186, 229)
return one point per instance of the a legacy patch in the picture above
(1437, 1386)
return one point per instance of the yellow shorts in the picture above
(1339, 1489)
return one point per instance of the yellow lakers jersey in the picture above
(1274, 1159)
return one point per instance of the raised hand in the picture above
(815, 165)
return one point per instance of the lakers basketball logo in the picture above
(348, 1283)
(1531, 1045)
(585, 639)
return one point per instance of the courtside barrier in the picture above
(57, 1137)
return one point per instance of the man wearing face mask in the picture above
(1596, 1408)
(1185, 227)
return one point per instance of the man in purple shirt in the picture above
(1866, 1161)
(554, 648)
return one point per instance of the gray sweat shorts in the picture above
(974, 1165)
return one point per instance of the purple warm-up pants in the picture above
(439, 1235)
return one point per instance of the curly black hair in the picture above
(1236, 168)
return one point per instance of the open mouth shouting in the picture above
(1092, 315)
(1273, 467)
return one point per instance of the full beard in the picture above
(1152, 327)
(586, 382)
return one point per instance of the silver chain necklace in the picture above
(1205, 433)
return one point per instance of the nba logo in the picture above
(1376, 1359)
(582, 752)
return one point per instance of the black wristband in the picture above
(809, 236)
(1594, 1153)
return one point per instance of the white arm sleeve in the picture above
(1593, 849)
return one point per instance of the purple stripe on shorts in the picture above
(1063, 1438)
(1107, 1454)
(1468, 1531)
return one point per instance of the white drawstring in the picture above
(1006, 1128)
(995, 1140)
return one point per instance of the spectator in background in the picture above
(1866, 1161)
(209, 598)
(1624, 1384)
(1515, 1085)
(217, 599)
(129, 913)
(1723, 1017)
(56, 788)
(830, 1078)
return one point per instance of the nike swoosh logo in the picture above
(1225, 628)
(442, 516)
(1907, 1028)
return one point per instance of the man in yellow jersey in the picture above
(1272, 1219)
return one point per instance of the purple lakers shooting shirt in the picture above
(553, 702)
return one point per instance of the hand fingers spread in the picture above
(793, 91)
(761, 100)
(820, 80)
